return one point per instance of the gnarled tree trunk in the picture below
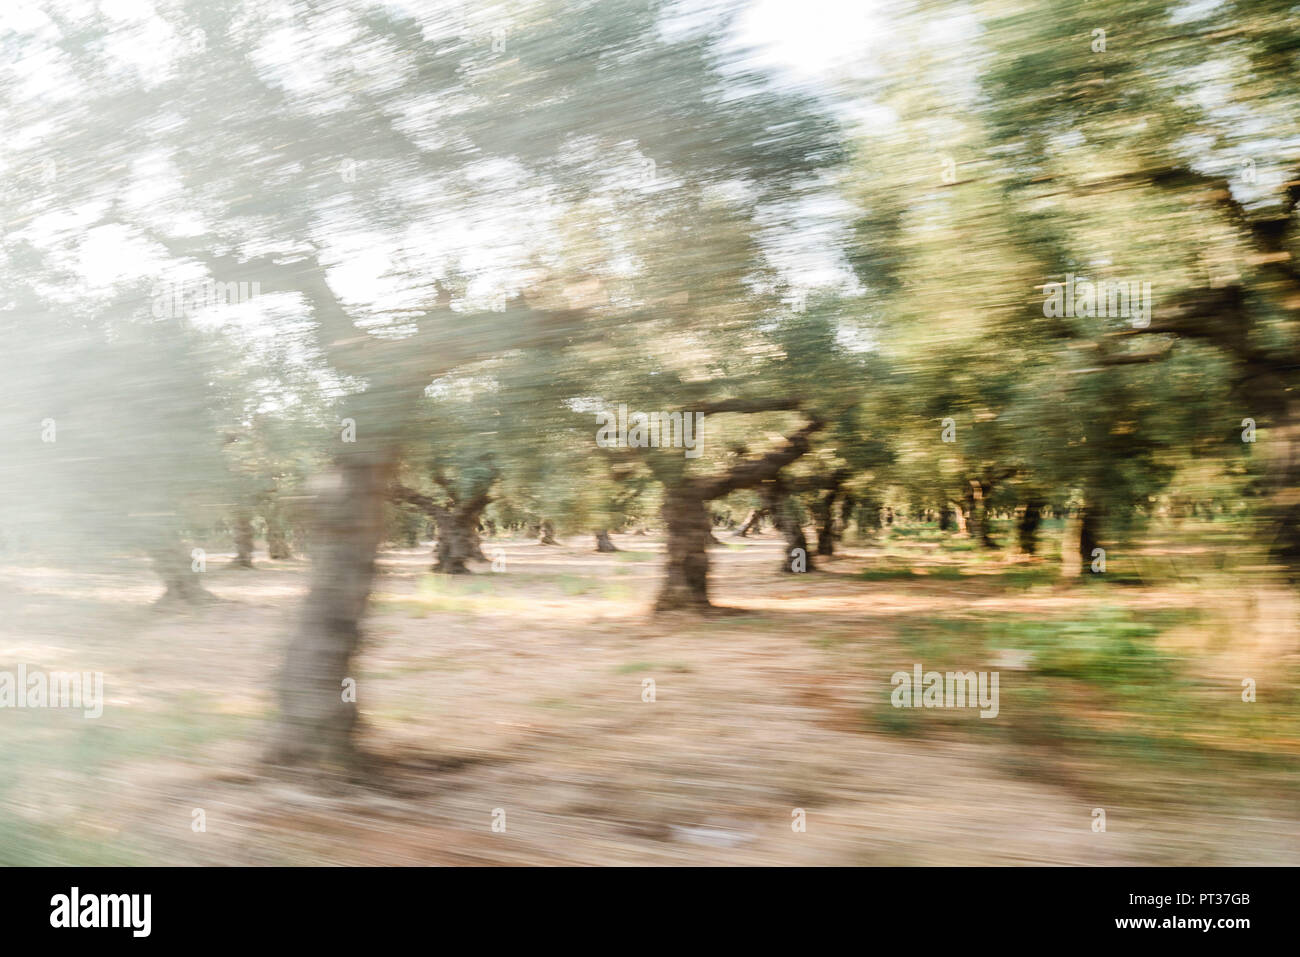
(603, 543)
(784, 509)
(848, 506)
(454, 546)
(1282, 477)
(946, 521)
(458, 536)
(316, 719)
(686, 572)
(1081, 538)
(244, 539)
(977, 521)
(826, 533)
(686, 515)
(1027, 527)
(277, 535)
(752, 522)
(174, 564)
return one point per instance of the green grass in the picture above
(87, 753)
(24, 844)
(1028, 576)
(636, 556)
(1098, 690)
(641, 667)
(932, 573)
(457, 594)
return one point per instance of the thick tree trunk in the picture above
(686, 572)
(244, 539)
(784, 510)
(174, 564)
(603, 544)
(1282, 472)
(686, 515)
(946, 523)
(752, 522)
(454, 545)
(458, 537)
(317, 715)
(1082, 537)
(978, 521)
(476, 542)
(1089, 533)
(826, 522)
(277, 536)
(848, 505)
(1027, 528)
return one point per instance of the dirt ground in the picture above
(517, 697)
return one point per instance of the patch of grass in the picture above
(906, 531)
(556, 704)
(885, 574)
(457, 594)
(641, 667)
(618, 591)
(959, 545)
(1099, 692)
(26, 844)
(44, 741)
(576, 584)
(1031, 576)
(919, 573)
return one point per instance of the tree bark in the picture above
(686, 573)
(277, 536)
(1027, 528)
(977, 523)
(752, 522)
(686, 519)
(826, 522)
(316, 722)
(1089, 534)
(946, 523)
(458, 536)
(1082, 533)
(603, 543)
(244, 539)
(784, 509)
(453, 548)
(173, 563)
(848, 505)
(1282, 480)
(456, 524)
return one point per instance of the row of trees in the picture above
(467, 236)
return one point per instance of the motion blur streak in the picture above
(549, 432)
